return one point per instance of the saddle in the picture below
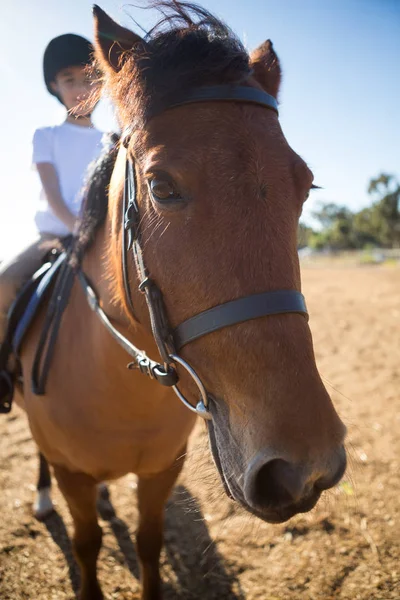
(20, 317)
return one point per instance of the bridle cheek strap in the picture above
(238, 311)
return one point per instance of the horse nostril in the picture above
(275, 485)
(336, 472)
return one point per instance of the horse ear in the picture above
(266, 67)
(112, 40)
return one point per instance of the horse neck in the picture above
(151, 403)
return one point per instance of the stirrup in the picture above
(6, 392)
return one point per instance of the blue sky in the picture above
(339, 98)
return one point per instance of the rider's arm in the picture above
(51, 186)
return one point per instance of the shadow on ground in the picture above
(200, 570)
(56, 527)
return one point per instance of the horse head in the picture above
(219, 194)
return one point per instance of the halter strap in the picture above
(237, 311)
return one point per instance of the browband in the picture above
(218, 93)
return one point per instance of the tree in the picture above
(336, 227)
(304, 235)
(367, 230)
(328, 213)
(377, 225)
(385, 212)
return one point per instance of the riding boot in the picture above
(6, 377)
(6, 391)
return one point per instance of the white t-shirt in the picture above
(70, 148)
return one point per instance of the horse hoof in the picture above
(43, 506)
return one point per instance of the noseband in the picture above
(170, 342)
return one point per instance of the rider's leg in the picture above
(13, 274)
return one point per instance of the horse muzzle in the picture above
(275, 489)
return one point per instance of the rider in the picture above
(61, 155)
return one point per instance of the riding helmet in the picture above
(65, 51)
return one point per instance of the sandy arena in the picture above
(347, 548)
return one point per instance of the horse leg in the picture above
(80, 492)
(152, 495)
(43, 505)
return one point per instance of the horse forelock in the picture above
(188, 47)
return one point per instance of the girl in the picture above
(61, 155)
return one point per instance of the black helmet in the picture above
(65, 51)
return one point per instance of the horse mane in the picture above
(95, 203)
(188, 47)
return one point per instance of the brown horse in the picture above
(219, 192)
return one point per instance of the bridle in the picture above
(169, 342)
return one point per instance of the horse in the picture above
(189, 227)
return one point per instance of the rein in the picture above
(170, 342)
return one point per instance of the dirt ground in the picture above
(347, 548)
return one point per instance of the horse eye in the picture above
(164, 189)
(313, 187)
